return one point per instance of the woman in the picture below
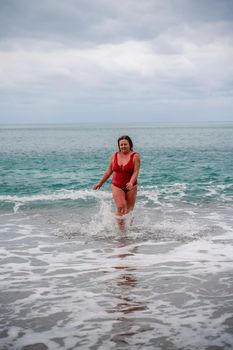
(125, 166)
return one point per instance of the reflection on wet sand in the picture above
(122, 289)
(126, 304)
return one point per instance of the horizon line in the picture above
(118, 123)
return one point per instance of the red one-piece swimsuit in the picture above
(122, 173)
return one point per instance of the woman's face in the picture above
(124, 146)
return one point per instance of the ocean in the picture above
(70, 279)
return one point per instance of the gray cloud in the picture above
(105, 20)
(88, 59)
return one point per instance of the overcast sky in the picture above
(116, 60)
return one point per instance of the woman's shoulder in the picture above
(135, 154)
(136, 158)
(114, 154)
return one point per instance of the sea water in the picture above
(70, 279)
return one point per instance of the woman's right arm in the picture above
(106, 175)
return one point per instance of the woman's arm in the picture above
(106, 175)
(134, 176)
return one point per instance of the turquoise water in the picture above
(71, 280)
(179, 162)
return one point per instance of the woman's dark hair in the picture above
(125, 137)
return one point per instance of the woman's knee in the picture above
(130, 208)
(121, 209)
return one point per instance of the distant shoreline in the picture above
(115, 125)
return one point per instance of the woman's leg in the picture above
(121, 205)
(120, 200)
(131, 198)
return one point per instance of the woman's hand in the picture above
(97, 186)
(129, 186)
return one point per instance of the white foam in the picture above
(56, 196)
(176, 191)
(77, 279)
(169, 192)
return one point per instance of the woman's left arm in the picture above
(134, 176)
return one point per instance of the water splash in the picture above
(140, 225)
